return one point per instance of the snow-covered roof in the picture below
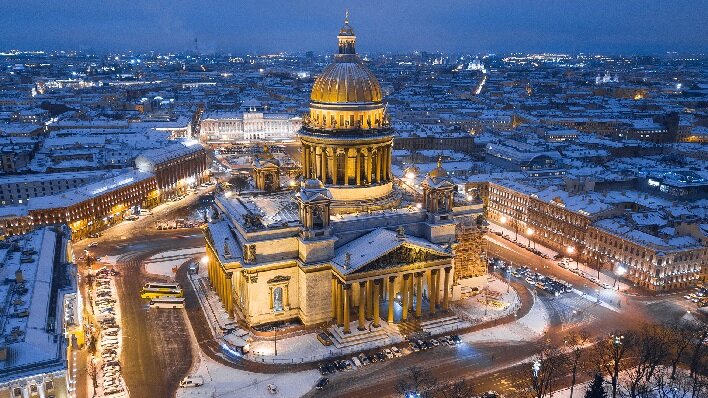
(33, 347)
(375, 244)
(147, 160)
(88, 192)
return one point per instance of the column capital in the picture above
(406, 276)
(346, 286)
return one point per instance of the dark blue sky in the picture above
(606, 26)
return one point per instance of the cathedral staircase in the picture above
(440, 325)
(359, 340)
(410, 327)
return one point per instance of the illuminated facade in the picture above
(346, 138)
(317, 256)
(251, 126)
(613, 236)
(90, 208)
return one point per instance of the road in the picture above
(155, 353)
(500, 366)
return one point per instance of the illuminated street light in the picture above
(205, 260)
(530, 232)
(503, 219)
(571, 250)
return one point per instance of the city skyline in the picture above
(471, 27)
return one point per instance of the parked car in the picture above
(396, 352)
(321, 383)
(388, 353)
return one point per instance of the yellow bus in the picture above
(154, 293)
(162, 286)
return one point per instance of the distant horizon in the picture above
(633, 27)
(5, 52)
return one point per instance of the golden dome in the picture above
(438, 172)
(346, 81)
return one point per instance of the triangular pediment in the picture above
(401, 256)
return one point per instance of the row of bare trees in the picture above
(653, 361)
(420, 383)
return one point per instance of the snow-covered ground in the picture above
(531, 326)
(495, 300)
(166, 263)
(223, 381)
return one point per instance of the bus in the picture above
(162, 286)
(167, 302)
(155, 293)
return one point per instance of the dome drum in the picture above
(347, 140)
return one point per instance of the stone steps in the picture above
(364, 339)
(441, 325)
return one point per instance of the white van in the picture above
(191, 381)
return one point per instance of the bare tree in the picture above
(545, 370)
(575, 342)
(650, 350)
(239, 183)
(609, 353)
(417, 380)
(92, 372)
(680, 338)
(669, 384)
(699, 361)
(458, 388)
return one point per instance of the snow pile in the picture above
(529, 327)
(164, 263)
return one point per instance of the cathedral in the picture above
(350, 247)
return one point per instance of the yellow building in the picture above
(343, 249)
(347, 141)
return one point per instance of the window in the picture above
(277, 299)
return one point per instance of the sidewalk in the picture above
(586, 271)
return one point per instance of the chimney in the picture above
(227, 251)
(347, 260)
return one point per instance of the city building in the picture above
(219, 127)
(42, 322)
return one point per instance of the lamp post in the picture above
(616, 357)
(571, 250)
(529, 233)
(275, 339)
(536, 368)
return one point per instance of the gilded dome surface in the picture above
(346, 80)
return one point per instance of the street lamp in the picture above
(571, 250)
(530, 232)
(619, 271)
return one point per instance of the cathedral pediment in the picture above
(401, 256)
(383, 249)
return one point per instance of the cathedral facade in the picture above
(345, 248)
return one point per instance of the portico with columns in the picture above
(388, 276)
